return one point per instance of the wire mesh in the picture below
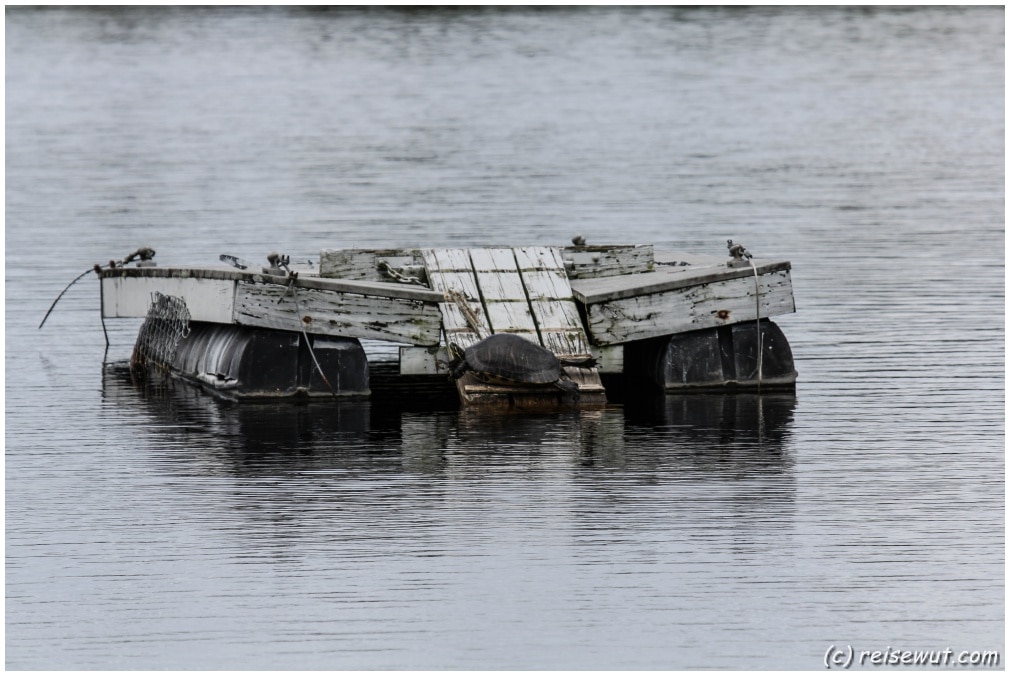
(166, 324)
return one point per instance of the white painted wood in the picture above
(547, 284)
(551, 301)
(511, 317)
(557, 317)
(333, 313)
(423, 361)
(591, 291)
(689, 308)
(208, 300)
(609, 358)
(496, 259)
(501, 290)
(452, 269)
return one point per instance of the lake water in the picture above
(164, 530)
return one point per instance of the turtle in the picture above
(509, 359)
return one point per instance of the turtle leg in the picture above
(457, 368)
(570, 387)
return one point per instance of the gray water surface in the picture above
(160, 529)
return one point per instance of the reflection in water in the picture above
(386, 476)
(398, 432)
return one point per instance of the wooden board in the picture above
(551, 301)
(364, 264)
(208, 300)
(609, 358)
(689, 307)
(503, 294)
(423, 361)
(162, 280)
(586, 262)
(451, 269)
(335, 313)
(668, 278)
(557, 316)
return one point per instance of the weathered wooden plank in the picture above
(546, 283)
(592, 291)
(561, 327)
(365, 264)
(493, 259)
(511, 317)
(209, 272)
(208, 299)
(336, 313)
(557, 317)
(609, 358)
(307, 280)
(700, 306)
(423, 361)
(501, 290)
(551, 302)
(500, 285)
(586, 262)
(451, 270)
(364, 287)
(679, 258)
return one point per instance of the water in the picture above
(163, 530)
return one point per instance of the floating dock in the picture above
(675, 321)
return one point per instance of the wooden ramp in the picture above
(523, 291)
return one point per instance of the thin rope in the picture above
(757, 321)
(101, 306)
(308, 343)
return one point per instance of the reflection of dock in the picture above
(744, 434)
(674, 320)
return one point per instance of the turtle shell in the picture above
(504, 355)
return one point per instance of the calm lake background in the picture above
(164, 530)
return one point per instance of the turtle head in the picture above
(458, 366)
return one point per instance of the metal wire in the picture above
(65, 289)
(759, 336)
(308, 343)
(166, 324)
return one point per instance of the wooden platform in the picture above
(576, 301)
(523, 291)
